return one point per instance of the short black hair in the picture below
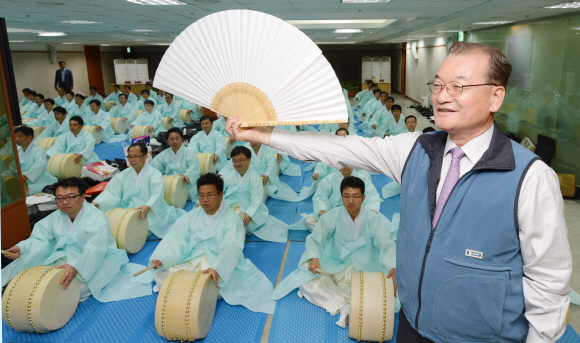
(390, 98)
(352, 182)
(211, 179)
(93, 88)
(39, 95)
(411, 116)
(71, 93)
(384, 93)
(175, 130)
(96, 102)
(59, 109)
(31, 92)
(146, 91)
(116, 85)
(369, 81)
(378, 90)
(148, 84)
(241, 150)
(428, 129)
(167, 93)
(26, 90)
(149, 102)
(124, 95)
(374, 85)
(49, 100)
(27, 131)
(140, 145)
(78, 119)
(342, 129)
(59, 62)
(397, 107)
(204, 117)
(127, 86)
(72, 182)
(80, 96)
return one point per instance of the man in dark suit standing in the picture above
(63, 77)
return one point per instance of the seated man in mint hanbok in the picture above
(210, 239)
(77, 238)
(44, 118)
(79, 108)
(69, 103)
(209, 141)
(363, 96)
(377, 119)
(33, 161)
(244, 192)
(124, 109)
(34, 109)
(102, 120)
(25, 101)
(149, 117)
(192, 108)
(178, 160)
(371, 107)
(332, 127)
(115, 95)
(58, 127)
(359, 108)
(140, 105)
(346, 240)
(132, 98)
(170, 109)
(149, 88)
(77, 141)
(140, 187)
(29, 102)
(394, 124)
(94, 95)
(61, 98)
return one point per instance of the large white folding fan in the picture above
(253, 65)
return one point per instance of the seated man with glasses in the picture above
(211, 238)
(77, 141)
(209, 141)
(350, 238)
(140, 187)
(77, 238)
(178, 160)
(244, 192)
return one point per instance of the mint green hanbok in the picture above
(140, 105)
(76, 110)
(247, 194)
(188, 105)
(198, 242)
(83, 143)
(33, 164)
(103, 119)
(59, 100)
(54, 130)
(213, 143)
(127, 111)
(42, 120)
(171, 110)
(392, 127)
(25, 102)
(152, 119)
(129, 190)
(95, 97)
(85, 244)
(112, 97)
(184, 162)
(33, 110)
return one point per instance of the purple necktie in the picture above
(450, 181)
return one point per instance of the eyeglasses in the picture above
(240, 161)
(69, 198)
(355, 197)
(130, 157)
(208, 196)
(452, 87)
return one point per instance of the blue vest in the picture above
(462, 281)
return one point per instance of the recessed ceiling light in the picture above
(565, 5)
(341, 37)
(334, 42)
(348, 30)
(498, 22)
(20, 41)
(157, 2)
(340, 23)
(51, 34)
(363, 1)
(71, 43)
(143, 30)
(80, 22)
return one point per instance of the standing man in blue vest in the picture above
(63, 78)
(482, 247)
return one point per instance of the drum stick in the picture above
(144, 270)
(322, 272)
(332, 277)
(4, 252)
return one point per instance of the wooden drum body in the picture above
(13, 187)
(46, 143)
(26, 120)
(372, 307)
(128, 229)
(277, 164)
(63, 166)
(138, 112)
(166, 124)
(265, 189)
(185, 116)
(35, 301)
(109, 105)
(98, 135)
(206, 163)
(229, 147)
(119, 125)
(139, 131)
(175, 190)
(37, 130)
(186, 306)
(7, 159)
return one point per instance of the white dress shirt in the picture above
(543, 232)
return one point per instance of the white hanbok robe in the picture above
(247, 194)
(171, 110)
(197, 242)
(129, 190)
(342, 246)
(152, 119)
(213, 143)
(184, 162)
(54, 130)
(127, 111)
(103, 119)
(85, 244)
(33, 165)
(68, 143)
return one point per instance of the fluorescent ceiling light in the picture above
(71, 43)
(14, 30)
(575, 28)
(20, 41)
(110, 44)
(363, 1)
(140, 40)
(341, 37)
(143, 30)
(164, 44)
(341, 23)
(565, 5)
(334, 42)
(157, 2)
(348, 30)
(499, 22)
(80, 22)
(51, 34)
(444, 31)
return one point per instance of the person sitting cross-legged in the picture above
(346, 240)
(211, 238)
(149, 117)
(76, 141)
(209, 141)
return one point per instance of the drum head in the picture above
(175, 190)
(37, 131)
(186, 117)
(13, 187)
(229, 147)
(128, 229)
(206, 164)
(118, 125)
(166, 124)
(46, 143)
(69, 168)
(7, 159)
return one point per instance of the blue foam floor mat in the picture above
(133, 320)
(297, 320)
(283, 210)
(110, 151)
(295, 182)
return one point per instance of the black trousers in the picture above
(406, 333)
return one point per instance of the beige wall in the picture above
(108, 69)
(419, 72)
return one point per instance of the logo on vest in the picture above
(473, 253)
